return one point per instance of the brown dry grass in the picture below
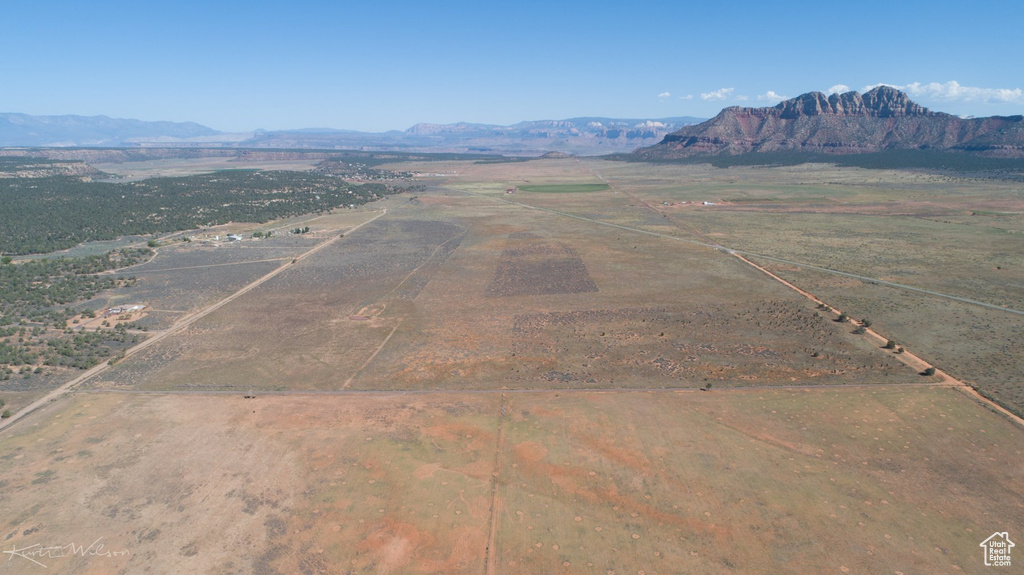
(774, 481)
(866, 479)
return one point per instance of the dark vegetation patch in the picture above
(532, 266)
(29, 167)
(542, 276)
(52, 213)
(39, 297)
(762, 343)
(359, 169)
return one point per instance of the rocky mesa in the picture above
(881, 119)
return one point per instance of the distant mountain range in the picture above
(583, 136)
(881, 119)
(852, 123)
(25, 130)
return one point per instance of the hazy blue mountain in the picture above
(583, 136)
(26, 130)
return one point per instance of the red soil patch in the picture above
(573, 480)
(800, 449)
(467, 543)
(530, 451)
(460, 432)
(394, 545)
(425, 471)
(616, 454)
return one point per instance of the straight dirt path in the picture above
(352, 378)
(525, 390)
(906, 357)
(490, 553)
(131, 271)
(179, 325)
(708, 242)
(373, 355)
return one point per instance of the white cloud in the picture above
(838, 89)
(686, 97)
(952, 91)
(664, 95)
(771, 96)
(742, 98)
(719, 94)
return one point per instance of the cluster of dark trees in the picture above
(86, 349)
(51, 213)
(81, 350)
(36, 290)
(358, 171)
(35, 305)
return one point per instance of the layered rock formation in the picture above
(881, 119)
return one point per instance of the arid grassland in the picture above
(553, 366)
(462, 292)
(943, 233)
(859, 480)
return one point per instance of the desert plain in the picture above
(554, 366)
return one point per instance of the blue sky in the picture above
(374, 66)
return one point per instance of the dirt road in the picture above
(179, 325)
(906, 357)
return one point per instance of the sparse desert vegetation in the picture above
(476, 381)
(600, 481)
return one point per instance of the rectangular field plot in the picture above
(536, 301)
(186, 277)
(532, 266)
(311, 327)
